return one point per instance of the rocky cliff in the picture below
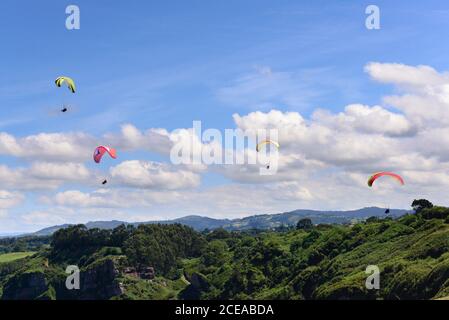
(98, 281)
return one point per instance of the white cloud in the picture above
(425, 92)
(292, 190)
(17, 179)
(404, 75)
(48, 146)
(316, 141)
(10, 199)
(366, 119)
(43, 218)
(267, 120)
(44, 175)
(59, 171)
(130, 138)
(76, 198)
(147, 174)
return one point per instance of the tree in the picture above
(218, 234)
(310, 239)
(120, 234)
(372, 219)
(160, 246)
(419, 205)
(215, 253)
(304, 224)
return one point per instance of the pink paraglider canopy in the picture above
(101, 150)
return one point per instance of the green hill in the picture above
(315, 262)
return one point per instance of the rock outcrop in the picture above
(97, 282)
(26, 286)
(198, 284)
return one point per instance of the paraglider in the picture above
(266, 142)
(70, 84)
(69, 81)
(377, 175)
(101, 150)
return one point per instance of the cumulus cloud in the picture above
(366, 119)
(48, 146)
(424, 92)
(44, 218)
(44, 175)
(316, 141)
(17, 179)
(59, 171)
(130, 138)
(147, 174)
(10, 199)
(405, 75)
(268, 120)
(76, 198)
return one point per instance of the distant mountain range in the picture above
(10, 235)
(264, 221)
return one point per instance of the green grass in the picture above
(156, 289)
(8, 257)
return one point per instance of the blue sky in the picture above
(157, 64)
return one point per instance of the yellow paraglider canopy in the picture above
(69, 81)
(260, 144)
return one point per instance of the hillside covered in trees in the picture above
(306, 262)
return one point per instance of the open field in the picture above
(8, 257)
